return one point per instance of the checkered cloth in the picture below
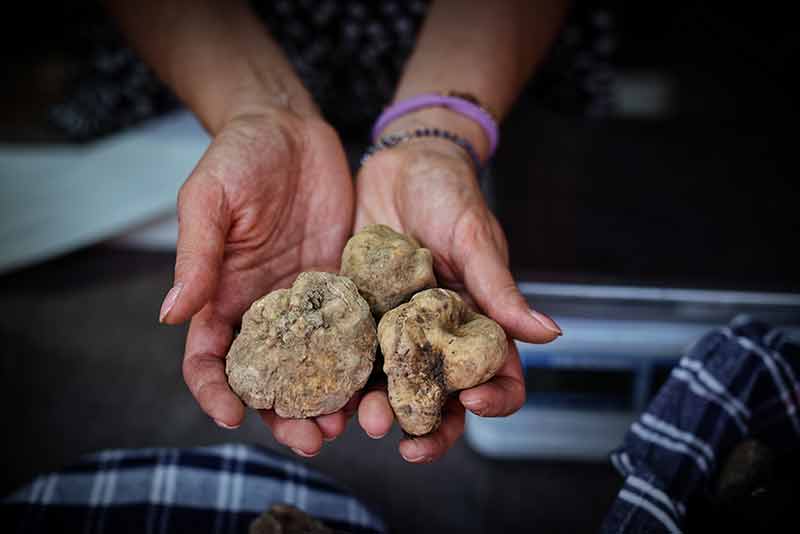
(218, 489)
(736, 383)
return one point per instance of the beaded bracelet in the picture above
(461, 103)
(389, 141)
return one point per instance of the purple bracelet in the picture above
(455, 103)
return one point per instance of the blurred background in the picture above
(663, 208)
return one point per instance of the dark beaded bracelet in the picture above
(389, 141)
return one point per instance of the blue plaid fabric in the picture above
(218, 489)
(737, 382)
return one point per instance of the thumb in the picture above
(488, 280)
(203, 224)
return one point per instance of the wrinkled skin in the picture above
(433, 346)
(387, 267)
(304, 351)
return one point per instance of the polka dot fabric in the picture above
(350, 55)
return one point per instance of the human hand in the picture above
(427, 188)
(271, 197)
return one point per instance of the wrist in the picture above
(242, 71)
(257, 96)
(216, 56)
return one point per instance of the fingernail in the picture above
(303, 453)
(474, 405)
(329, 439)
(415, 456)
(376, 436)
(546, 322)
(169, 301)
(223, 425)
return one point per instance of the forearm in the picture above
(486, 49)
(215, 55)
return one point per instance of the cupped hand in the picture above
(271, 197)
(427, 188)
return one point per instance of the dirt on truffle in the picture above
(433, 346)
(304, 351)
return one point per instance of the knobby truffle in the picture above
(432, 346)
(387, 267)
(304, 351)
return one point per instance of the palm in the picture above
(290, 210)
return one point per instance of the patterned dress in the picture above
(350, 56)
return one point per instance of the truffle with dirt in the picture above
(304, 351)
(433, 346)
(387, 267)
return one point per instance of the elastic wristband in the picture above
(392, 140)
(454, 103)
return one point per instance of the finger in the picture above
(352, 406)
(431, 447)
(202, 229)
(375, 414)
(332, 425)
(488, 279)
(303, 436)
(502, 395)
(204, 369)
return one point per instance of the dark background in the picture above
(702, 195)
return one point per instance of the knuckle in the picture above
(201, 372)
(508, 290)
(190, 372)
(474, 231)
(472, 227)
